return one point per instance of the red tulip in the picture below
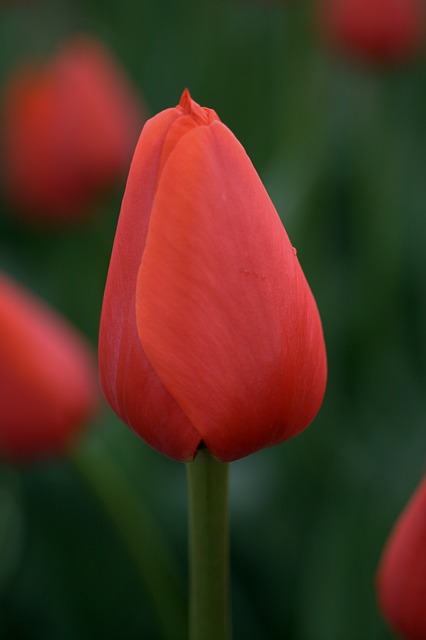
(401, 579)
(377, 30)
(48, 386)
(69, 129)
(209, 335)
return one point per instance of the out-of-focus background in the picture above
(339, 140)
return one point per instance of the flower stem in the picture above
(141, 534)
(209, 608)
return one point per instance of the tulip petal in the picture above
(401, 579)
(224, 312)
(131, 386)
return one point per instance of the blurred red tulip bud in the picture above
(48, 384)
(383, 31)
(210, 336)
(401, 579)
(69, 131)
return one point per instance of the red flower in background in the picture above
(376, 30)
(209, 335)
(69, 130)
(401, 579)
(48, 385)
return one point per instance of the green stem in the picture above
(209, 609)
(141, 534)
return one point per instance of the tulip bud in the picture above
(401, 579)
(48, 386)
(209, 336)
(69, 131)
(385, 31)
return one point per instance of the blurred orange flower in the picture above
(69, 130)
(401, 579)
(48, 382)
(377, 30)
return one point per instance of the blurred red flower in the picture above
(401, 579)
(376, 30)
(69, 130)
(48, 382)
(209, 335)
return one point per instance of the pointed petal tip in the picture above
(186, 101)
(201, 115)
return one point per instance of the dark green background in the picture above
(341, 148)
